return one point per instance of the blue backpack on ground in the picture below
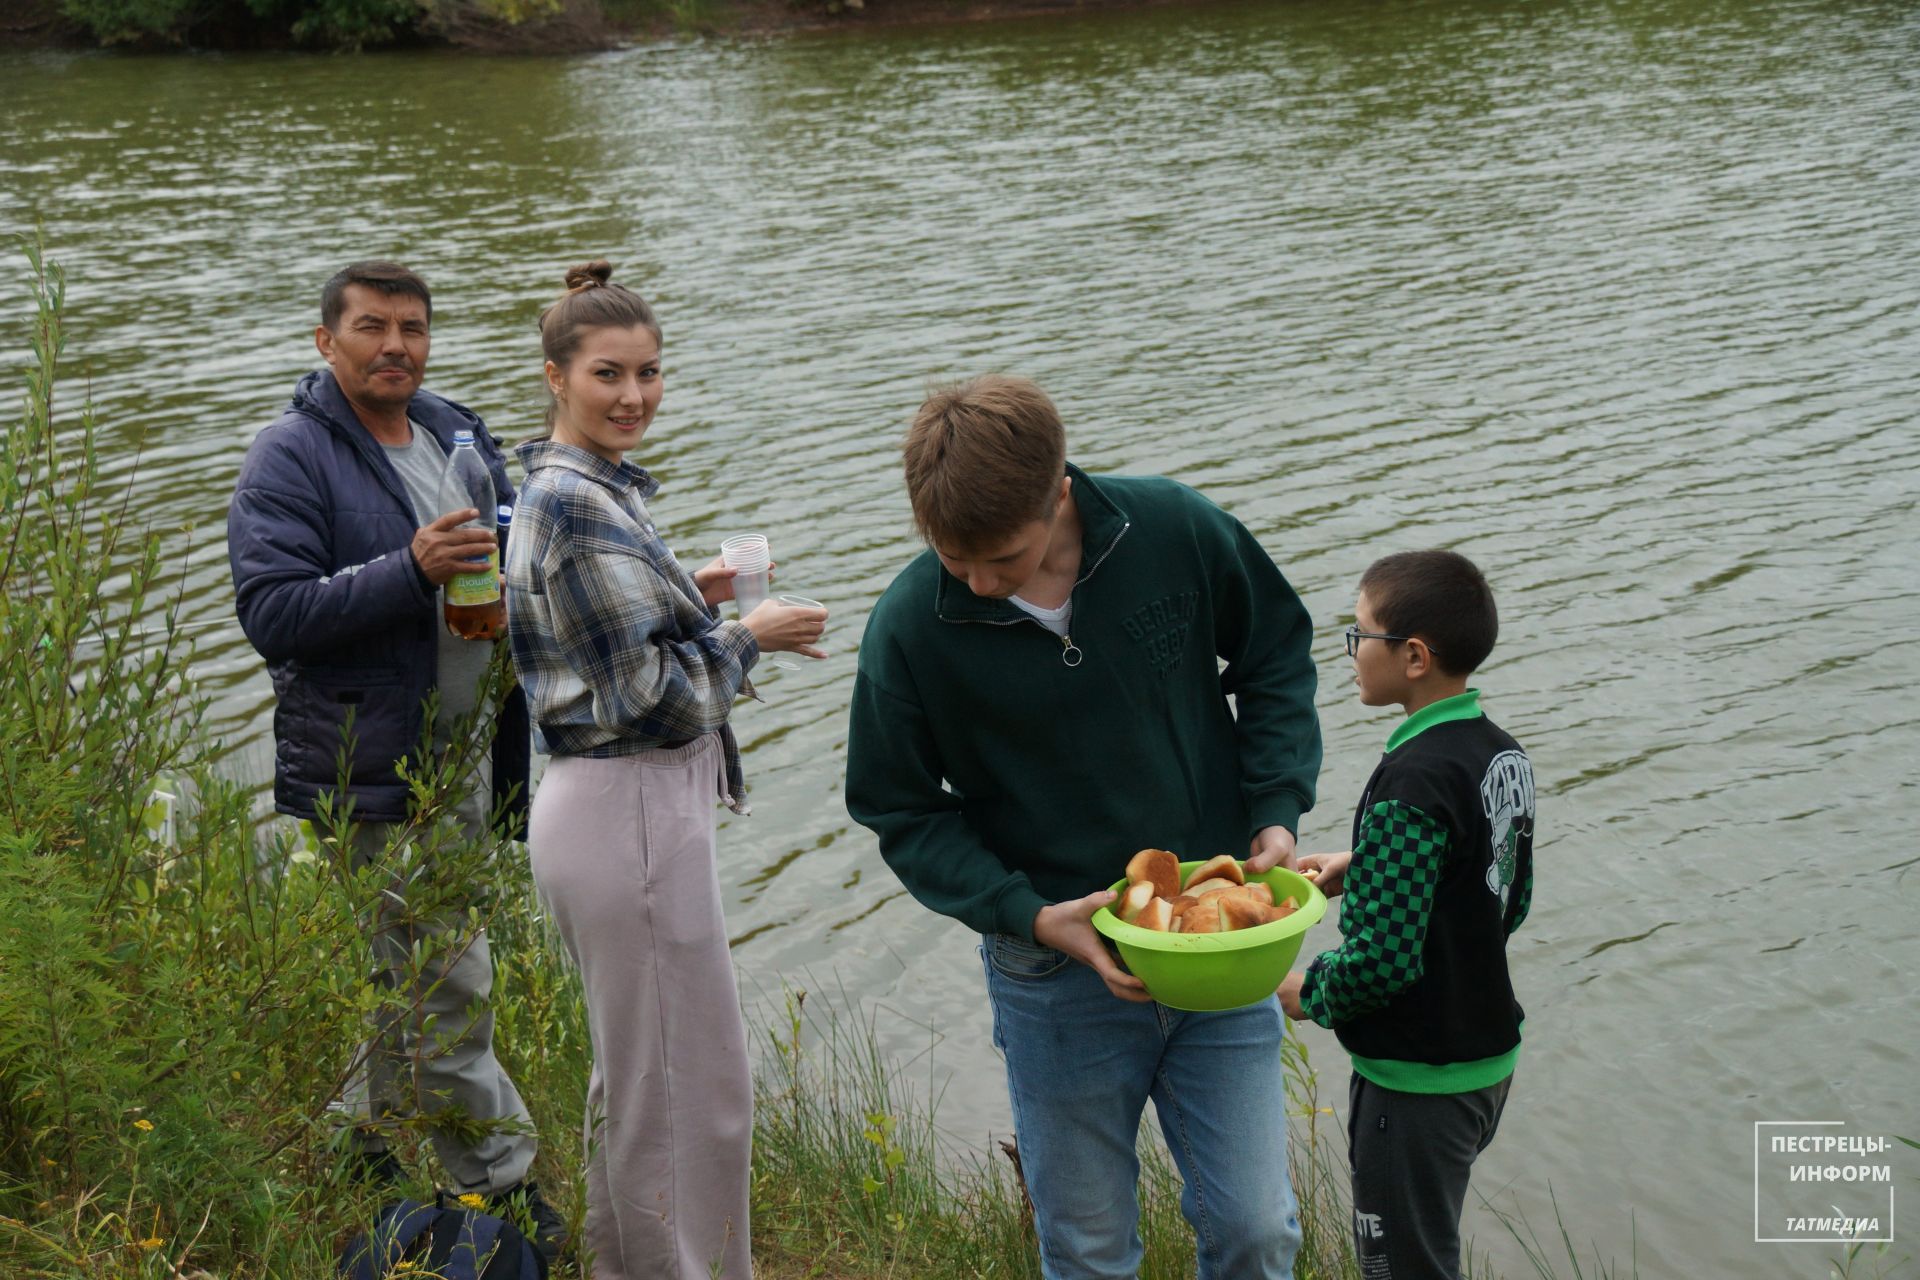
(444, 1241)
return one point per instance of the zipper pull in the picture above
(1070, 652)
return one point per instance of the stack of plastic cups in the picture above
(748, 553)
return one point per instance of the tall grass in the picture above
(851, 1173)
(178, 1013)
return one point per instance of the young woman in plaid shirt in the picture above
(630, 676)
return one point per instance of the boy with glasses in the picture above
(1440, 873)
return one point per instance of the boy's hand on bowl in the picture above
(1289, 994)
(1272, 847)
(1068, 927)
(1328, 871)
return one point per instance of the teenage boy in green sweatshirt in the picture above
(1440, 873)
(1039, 696)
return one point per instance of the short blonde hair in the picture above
(983, 457)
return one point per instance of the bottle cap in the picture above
(462, 436)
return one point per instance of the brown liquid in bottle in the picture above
(478, 621)
(470, 619)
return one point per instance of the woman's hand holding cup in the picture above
(715, 579)
(785, 628)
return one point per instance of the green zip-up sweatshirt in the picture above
(1000, 777)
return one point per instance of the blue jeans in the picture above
(1081, 1064)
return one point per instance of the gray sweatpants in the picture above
(623, 857)
(1412, 1154)
(403, 1072)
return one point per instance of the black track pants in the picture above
(1411, 1156)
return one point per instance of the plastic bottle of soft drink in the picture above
(473, 607)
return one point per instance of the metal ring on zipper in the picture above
(1071, 655)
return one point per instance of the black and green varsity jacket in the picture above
(1418, 992)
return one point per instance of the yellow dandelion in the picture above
(473, 1201)
(143, 1125)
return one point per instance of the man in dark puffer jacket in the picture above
(338, 552)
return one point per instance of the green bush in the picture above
(335, 24)
(120, 21)
(179, 1000)
(345, 24)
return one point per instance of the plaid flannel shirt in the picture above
(615, 648)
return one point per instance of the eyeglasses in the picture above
(1355, 635)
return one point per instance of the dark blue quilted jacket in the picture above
(327, 591)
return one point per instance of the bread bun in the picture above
(1222, 867)
(1199, 888)
(1156, 915)
(1134, 901)
(1157, 867)
(1243, 913)
(1250, 892)
(1206, 916)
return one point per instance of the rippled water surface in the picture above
(1620, 299)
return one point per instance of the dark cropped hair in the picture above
(1440, 597)
(389, 278)
(983, 459)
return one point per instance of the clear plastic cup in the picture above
(749, 554)
(800, 602)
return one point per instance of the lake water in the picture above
(1620, 299)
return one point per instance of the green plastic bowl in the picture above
(1207, 971)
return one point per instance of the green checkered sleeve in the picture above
(1522, 900)
(1384, 909)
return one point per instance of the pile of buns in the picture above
(1214, 898)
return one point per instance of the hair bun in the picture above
(589, 275)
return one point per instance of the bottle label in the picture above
(482, 586)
